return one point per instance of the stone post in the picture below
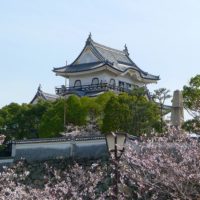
(177, 115)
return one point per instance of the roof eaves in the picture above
(84, 70)
(58, 68)
(143, 74)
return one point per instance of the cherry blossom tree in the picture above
(155, 168)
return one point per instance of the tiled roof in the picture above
(80, 67)
(90, 66)
(49, 97)
(116, 59)
(61, 139)
(112, 55)
(43, 95)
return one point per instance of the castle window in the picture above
(77, 83)
(128, 85)
(95, 81)
(112, 82)
(121, 84)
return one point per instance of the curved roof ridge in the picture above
(56, 68)
(117, 59)
(44, 95)
(96, 52)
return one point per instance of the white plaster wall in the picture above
(90, 142)
(42, 151)
(49, 150)
(55, 145)
(6, 160)
(126, 78)
(86, 79)
(52, 145)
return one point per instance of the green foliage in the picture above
(192, 125)
(104, 98)
(11, 123)
(117, 115)
(51, 123)
(191, 97)
(138, 92)
(76, 113)
(130, 113)
(92, 108)
(160, 96)
(21, 121)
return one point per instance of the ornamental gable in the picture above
(86, 57)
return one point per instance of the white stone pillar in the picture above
(177, 115)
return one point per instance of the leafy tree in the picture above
(192, 125)
(92, 108)
(130, 113)
(191, 100)
(138, 92)
(10, 123)
(191, 97)
(2, 124)
(76, 113)
(103, 99)
(52, 120)
(144, 114)
(33, 117)
(21, 121)
(160, 96)
(117, 115)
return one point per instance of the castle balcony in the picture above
(87, 90)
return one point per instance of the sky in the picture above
(162, 36)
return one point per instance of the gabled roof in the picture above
(112, 55)
(116, 59)
(40, 95)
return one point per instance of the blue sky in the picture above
(163, 38)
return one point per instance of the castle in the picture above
(97, 69)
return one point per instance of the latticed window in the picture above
(77, 83)
(95, 81)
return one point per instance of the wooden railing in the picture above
(90, 88)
